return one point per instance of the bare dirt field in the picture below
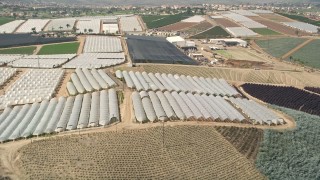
(177, 26)
(278, 27)
(226, 23)
(242, 54)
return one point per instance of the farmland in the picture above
(313, 89)
(276, 26)
(279, 47)
(138, 154)
(159, 21)
(309, 54)
(245, 140)
(301, 18)
(4, 20)
(276, 17)
(203, 26)
(65, 48)
(292, 154)
(265, 31)
(21, 50)
(226, 22)
(177, 26)
(289, 97)
(215, 32)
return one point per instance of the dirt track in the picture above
(297, 48)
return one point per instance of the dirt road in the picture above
(297, 48)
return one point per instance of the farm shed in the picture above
(230, 42)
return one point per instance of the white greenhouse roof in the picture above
(241, 32)
(303, 26)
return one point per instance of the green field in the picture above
(4, 20)
(215, 32)
(301, 18)
(265, 31)
(22, 50)
(292, 154)
(309, 54)
(65, 48)
(156, 21)
(280, 46)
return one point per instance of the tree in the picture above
(34, 30)
(90, 30)
(60, 28)
(297, 32)
(85, 30)
(68, 25)
(318, 30)
(189, 10)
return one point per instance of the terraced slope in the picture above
(190, 152)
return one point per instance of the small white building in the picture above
(230, 42)
(176, 40)
(181, 42)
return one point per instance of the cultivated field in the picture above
(285, 96)
(189, 152)
(298, 79)
(159, 21)
(309, 54)
(64, 48)
(265, 31)
(292, 154)
(4, 20)
(280, 46)
(226, 23)
(177, 26)
(22, 50)
(276, 17)
(301, 18)
(245, 140)
(279, 27)
(215, 32)
(203, 26)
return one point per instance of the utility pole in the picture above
(163, 134)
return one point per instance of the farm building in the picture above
(180, 42)
(230, 42)
(147, 49)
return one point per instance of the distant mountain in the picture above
(161, 2)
